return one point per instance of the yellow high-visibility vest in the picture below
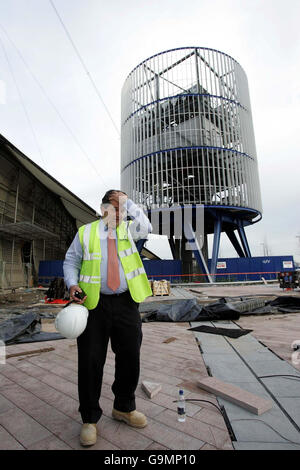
(90, 274)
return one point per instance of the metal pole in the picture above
(15, 220)
(31, 258)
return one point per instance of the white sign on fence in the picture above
(221, 265)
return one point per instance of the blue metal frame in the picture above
(181, 49)
(182, 95)
(216, 243)
(232, 237)
(186, 148)
(244, 239)
(191, 239)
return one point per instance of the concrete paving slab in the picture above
(214, 344)
(283, 386)
(258, 430)
(228, 367)
(257, 356)
(272, 366)
(247, 344)
(292, 406)
(215, 347)
(264, 446)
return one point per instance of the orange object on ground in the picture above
(56, 301)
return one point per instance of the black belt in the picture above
(115, 295)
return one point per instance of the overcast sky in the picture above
(63, 126)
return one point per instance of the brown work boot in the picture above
(88, 435)
(133, 418)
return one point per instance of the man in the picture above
(104, 263)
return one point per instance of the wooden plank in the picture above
(235, 395)
(34, 351)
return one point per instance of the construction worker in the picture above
(104, 264)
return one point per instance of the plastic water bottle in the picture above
(181, 406)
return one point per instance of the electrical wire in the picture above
(22, 100)
(206, 401)
(280, 375)
(84, 66)
(53, 106)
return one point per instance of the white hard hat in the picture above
(71, 321)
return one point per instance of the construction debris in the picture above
(34, 351)
(25, 328)
(57, 291)
(188, 310)
(230, 332)
(226, 308)
(286, 304)
(169, 340)
(235, 395)
(151, 388)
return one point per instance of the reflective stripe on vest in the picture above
(89, 279)
(91, 256)
(135, 273)
(127, 252)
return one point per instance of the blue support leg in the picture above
(216, 244)
(244, 239)
(192, 240)
(232, 237)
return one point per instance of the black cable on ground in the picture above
(205, 401)
(279, 375)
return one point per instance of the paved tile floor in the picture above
(39, 403)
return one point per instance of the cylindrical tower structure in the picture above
(187, 138)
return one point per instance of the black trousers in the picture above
(117, 318)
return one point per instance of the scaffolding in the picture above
(34, 224)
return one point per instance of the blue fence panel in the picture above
(163, 269)
(252, 269)
(232, 270)
(49, 270)
(155, 269)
